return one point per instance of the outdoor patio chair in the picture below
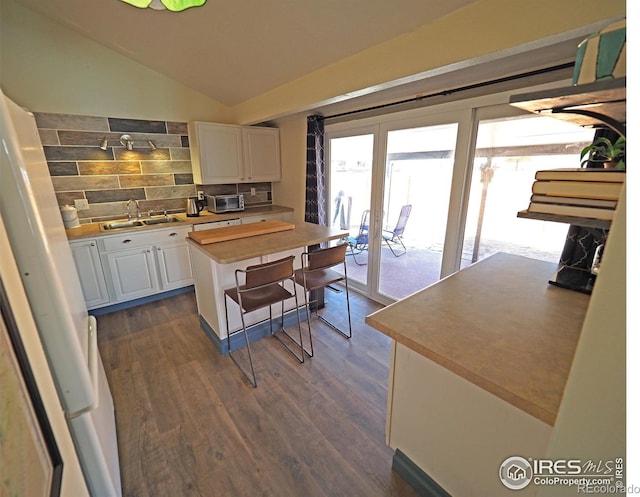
(395, 236)
(360, 242)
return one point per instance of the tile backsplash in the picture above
(159, 179)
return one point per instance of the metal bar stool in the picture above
(263, 286)
(317, 272)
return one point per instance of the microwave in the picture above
(225, 203)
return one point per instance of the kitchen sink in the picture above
(118, 225)
(162, 220)
(138, 223)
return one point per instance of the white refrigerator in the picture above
(68, 333)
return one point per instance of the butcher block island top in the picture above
(254, 243)
(499, 325)
(227, 233)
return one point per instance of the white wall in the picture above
(591, 423)
(293, 144)
(47, 67)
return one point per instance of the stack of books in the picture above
(579, 192)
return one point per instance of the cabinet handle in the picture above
(148, 251)
(92, 244)
(126, 241)
(173, 234)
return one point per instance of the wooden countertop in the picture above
(91, 230)
(227, 233)
(303, 235)
(499, 325)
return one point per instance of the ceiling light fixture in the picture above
(172, 5)
(104, 143)
(127, 141)
(152, 145)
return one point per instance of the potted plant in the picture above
(602, 150)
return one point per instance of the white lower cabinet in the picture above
(145, 263)
(130, 265)
(133, 273)
(174, 265)
(92, 279)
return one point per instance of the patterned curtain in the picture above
(581, 242)
(315, 199)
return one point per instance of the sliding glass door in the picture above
(417, 185)
(350, 158)
(390, 188)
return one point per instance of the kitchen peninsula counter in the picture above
(480, 361)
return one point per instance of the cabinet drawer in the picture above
(131, 240)
(260, 218)
(173, 235)
(215, 224)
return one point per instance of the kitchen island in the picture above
(479, 365)
(214, 267)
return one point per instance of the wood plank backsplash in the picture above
(159, 180)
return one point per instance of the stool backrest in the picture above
(269, 272)
(326, 258)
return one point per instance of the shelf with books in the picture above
(579, 196)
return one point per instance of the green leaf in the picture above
(141, 4)
(172, 5)
(179, 5)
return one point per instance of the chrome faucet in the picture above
(138, 211)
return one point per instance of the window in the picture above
(466, 168)
(507, 155)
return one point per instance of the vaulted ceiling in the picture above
(233, 50)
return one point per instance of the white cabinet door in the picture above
(261, 154)
(92, 280)
(174, 265)
(133, 273)
(216, 153)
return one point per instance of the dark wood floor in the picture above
(189, 424)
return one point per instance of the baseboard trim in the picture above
(420, 481)
(99, 311)
(255, 332)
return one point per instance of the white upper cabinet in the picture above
(216, 153)
(223, 153)
(261, 148)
